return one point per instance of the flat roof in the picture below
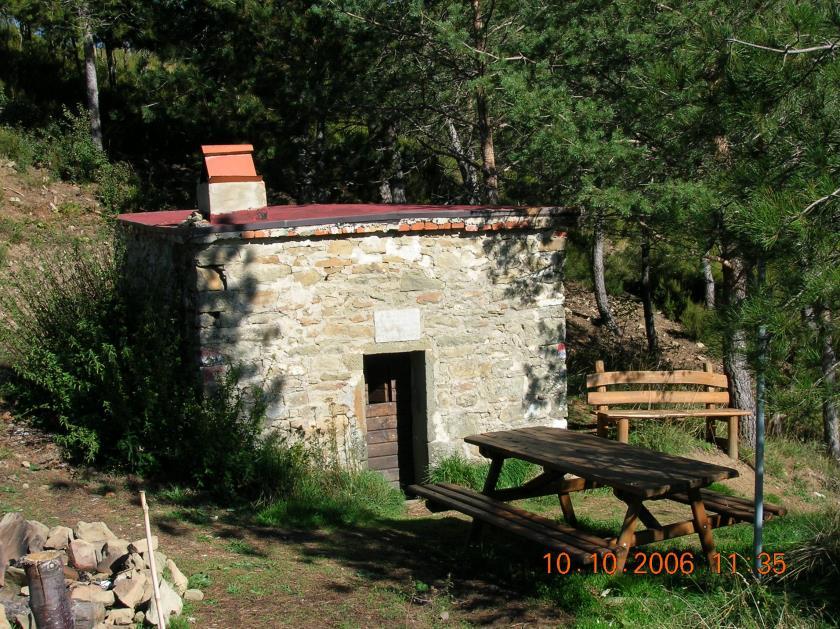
(284, 219)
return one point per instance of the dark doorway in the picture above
(396, 415)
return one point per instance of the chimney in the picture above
(229, 180)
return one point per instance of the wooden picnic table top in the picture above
(639, 471)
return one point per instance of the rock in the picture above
(82, 555)
(25, 464)
(444, 616)
(13, 537)
(59, 537)
(4, 623)
(93, 532)
(700, 345)
(170, 603)
(93, 593)
(123, 616)
(129, 588)
(135, 561)
(179, 581)
(139, 617)
(160, 563)
(24, 591)
(87, 614)
(25, 621)
(141, 546)
(16, 575)
(193, 595)
(36, 536)
(114, 551)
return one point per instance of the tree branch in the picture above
(786, 50)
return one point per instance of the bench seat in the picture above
(732, 507)
(553, 535)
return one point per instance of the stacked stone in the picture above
(108, 578)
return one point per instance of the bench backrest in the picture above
(633, 390)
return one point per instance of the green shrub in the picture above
(696, 320)
(18, 146)
(67, 150)
(101, 364)
(118, 187)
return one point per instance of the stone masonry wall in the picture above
(298, 315)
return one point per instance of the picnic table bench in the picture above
(666, 401)
(635, 474)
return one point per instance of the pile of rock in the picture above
(108, 578)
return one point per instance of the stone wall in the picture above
(298, 315)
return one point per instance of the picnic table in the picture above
(574, 461)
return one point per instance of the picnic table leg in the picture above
(489, 485)
(568, 509)
(701, 523)
(627, 537)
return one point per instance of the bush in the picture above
(118, 189)
(18, 146)
(67, 150)
(102, 365)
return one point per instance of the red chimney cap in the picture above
(226, 149)
(229, 163)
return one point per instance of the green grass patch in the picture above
(679, 438)
(241, 547)
(333, 496)
(199, 581)
(461, 471)
(723, 489)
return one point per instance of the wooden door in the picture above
(382, 435)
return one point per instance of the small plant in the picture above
(199, 581)
(67, 150)
(118, 189)
(18, 146)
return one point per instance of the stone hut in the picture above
(390, 332)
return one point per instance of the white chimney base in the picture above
(230, 196)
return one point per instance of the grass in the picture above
(460, 471)
(679, 438)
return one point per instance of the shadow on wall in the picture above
(531, 268)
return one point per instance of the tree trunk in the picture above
(91, 86)
(464, 164)
(709, 280)
(47, 593)
(112, 67)
(598, 275)
(321, 194)
(488, 152)
(735, 346)
(828, 363)
(482, 112)
(392, 188)
(647, 299)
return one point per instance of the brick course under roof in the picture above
(290, 216)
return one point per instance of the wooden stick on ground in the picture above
(47, 593)
(152, 565)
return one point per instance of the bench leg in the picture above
(496, 464)
(732, 437)
(627, 538)
(702, 526)
(602, 426)
(568, 509)
(623, 430)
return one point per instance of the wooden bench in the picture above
(733, 508)
(660, 395)
(550, 534)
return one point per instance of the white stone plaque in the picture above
(397, 325)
